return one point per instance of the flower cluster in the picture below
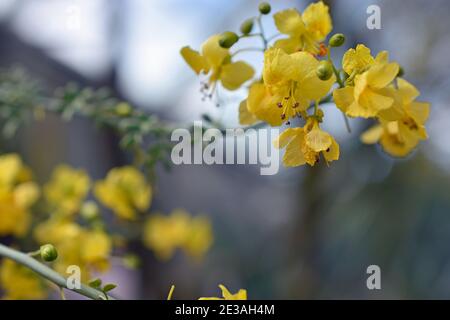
(299, 76)
(164, 234)
(67, 219)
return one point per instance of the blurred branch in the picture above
(23, 99)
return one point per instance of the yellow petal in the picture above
(344, 98)
(293, 156)
(310, 86)
(317, 20)
(357, 59)
(370, 104)
(286, 136)
(26, 194)
(213, 52)
(407, 91)
(245, 116)
(380, 75)
(419, 111)
(261, 103)
(332, 153)
(382, 57)
(194, 60)
(318, 140)
(372, 135)
(289, 45)
(289, 22)
(278, 67)
(234, 74)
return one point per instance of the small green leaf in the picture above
(95, 283)
(108, 287)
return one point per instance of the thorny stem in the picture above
(47, 273)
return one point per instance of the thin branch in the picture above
(47, 273)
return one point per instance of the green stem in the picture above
(261, 28)
(341, 85)
(46, 272)
(246, 50)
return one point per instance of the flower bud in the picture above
(324, 71)
(123, 109)
(227, 39)
(247, 26)
(337, 40)
(89, 210)
(48, 252)
(264, 8)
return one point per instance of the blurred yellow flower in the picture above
(290, 85)
(19, 282)
(227, 295)
(216, 61)
(17, 195)
(86, 248)
(305, 30)
(402, 126)
(124, 191)
(164, 234)
(66, 189)
(305, 145)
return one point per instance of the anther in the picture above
(279, 105)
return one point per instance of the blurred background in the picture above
(303, 233)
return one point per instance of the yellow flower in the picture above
(371, 92)
(305, 30)
(164, 234)
(216, 61)
(402, 126)
(305, 145)
(124, 191)
(17, 195)
(199, 238)
(19, 282)
(66, 189)
(227, 295)
(245, 116)
(290, 85)
(357, 60)
(88, 249)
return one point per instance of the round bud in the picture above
(89, 210)
(227, 39)
(264, 8)
(123, 109)
(401, 72)
(48, 252)
(324, 70)
(337, 40)
(247, 26)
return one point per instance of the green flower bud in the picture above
(89, 210)
(337, 40)
(401, 72)
(324, 71)
(227, 39)
(247, 26)
(48, 252)
(264, 8)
